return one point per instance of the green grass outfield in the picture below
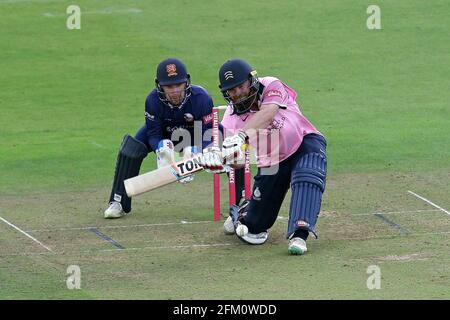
(381, 97)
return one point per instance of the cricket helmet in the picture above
(169, 72)
(234, 73)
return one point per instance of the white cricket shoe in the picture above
(228, 226)
(114, 210)
(297, 246)
(252, 238)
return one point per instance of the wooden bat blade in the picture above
(161, 177)
(149, 181)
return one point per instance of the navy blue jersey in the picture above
(164, 122)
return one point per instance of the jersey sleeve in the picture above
(153, 123)
(228, 124)
(275, 93)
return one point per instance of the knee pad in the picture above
(131, 154)
(307, 184)
(133, 148)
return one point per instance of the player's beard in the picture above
(244, 103)
(176, 98)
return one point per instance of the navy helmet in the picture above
(234, 73)
(169, 72)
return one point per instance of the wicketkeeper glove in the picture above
(165, 153)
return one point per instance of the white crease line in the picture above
(26, 234)
(25, 254)
(24, 1)
(98, 145)
(102, 11)
(193, 246)
(197, 222)
(126, 226)
(394, 212)
(171, 247)
(429, 202)
(215, 245)
(391, 236)
(370, 213)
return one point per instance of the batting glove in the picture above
(212, 160)
(233, 148)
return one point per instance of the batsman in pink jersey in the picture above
(290, 153)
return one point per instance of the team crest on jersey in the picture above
(188, 117)
(171, 70)
(277, 124)
(274, 92)
(257, 194)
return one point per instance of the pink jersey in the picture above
(284, 135)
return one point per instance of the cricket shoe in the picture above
(114, 210)
(252, 238)
(297, 246)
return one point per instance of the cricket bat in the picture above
(162, 176)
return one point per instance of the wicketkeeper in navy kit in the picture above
(291, 152)
(171, 110)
